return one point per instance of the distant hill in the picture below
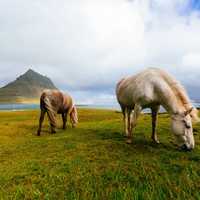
(26, 88)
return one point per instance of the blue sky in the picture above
(85, 47)
(190, 6)
(194, 4)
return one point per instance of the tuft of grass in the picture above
(93, 161)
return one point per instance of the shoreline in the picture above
(31, 106)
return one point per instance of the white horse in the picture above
(150, 89)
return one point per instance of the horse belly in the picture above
(61, 110)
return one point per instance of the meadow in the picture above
(93, 161)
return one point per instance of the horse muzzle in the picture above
(184, 147)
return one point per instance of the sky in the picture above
(86, 46)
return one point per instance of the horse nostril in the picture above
(185, 148)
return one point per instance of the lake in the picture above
(14, 107)
(18, 106)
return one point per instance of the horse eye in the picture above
(186, 124)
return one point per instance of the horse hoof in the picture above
(125, 136)
(156, 141)
(128, 141)
(38, 133)
(53, 132)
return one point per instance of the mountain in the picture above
(26, 87)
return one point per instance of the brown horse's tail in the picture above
(74, 115)
(50, 111)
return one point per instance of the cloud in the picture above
(89, 45)
(192, 59)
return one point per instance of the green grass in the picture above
(93, 161)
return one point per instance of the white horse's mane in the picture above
(177, 88)
(179, 92)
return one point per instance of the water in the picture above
(103, 106)
(20, 107)
(16, 106)
(13, 107)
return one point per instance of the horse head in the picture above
(182, 128)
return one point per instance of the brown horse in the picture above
(53, 102)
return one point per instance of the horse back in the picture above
(140, 88)
(53, 99)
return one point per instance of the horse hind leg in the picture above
(42, 114)
(132, 121)
(154, 115)
(52, 120)
(64, 118)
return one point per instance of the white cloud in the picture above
(89, 45)
(192, 59)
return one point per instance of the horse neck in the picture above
(173, 104)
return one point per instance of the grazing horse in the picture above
(150, 89)
(54, 101)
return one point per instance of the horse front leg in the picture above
(125, 114)
(129, 122)
(64, 118)
(42, 114)
(154, 115)
(133, 121)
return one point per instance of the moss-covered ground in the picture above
(93, 161)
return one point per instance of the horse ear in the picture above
(188, 111)
(195, 115)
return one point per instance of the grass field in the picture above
(93, 161)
